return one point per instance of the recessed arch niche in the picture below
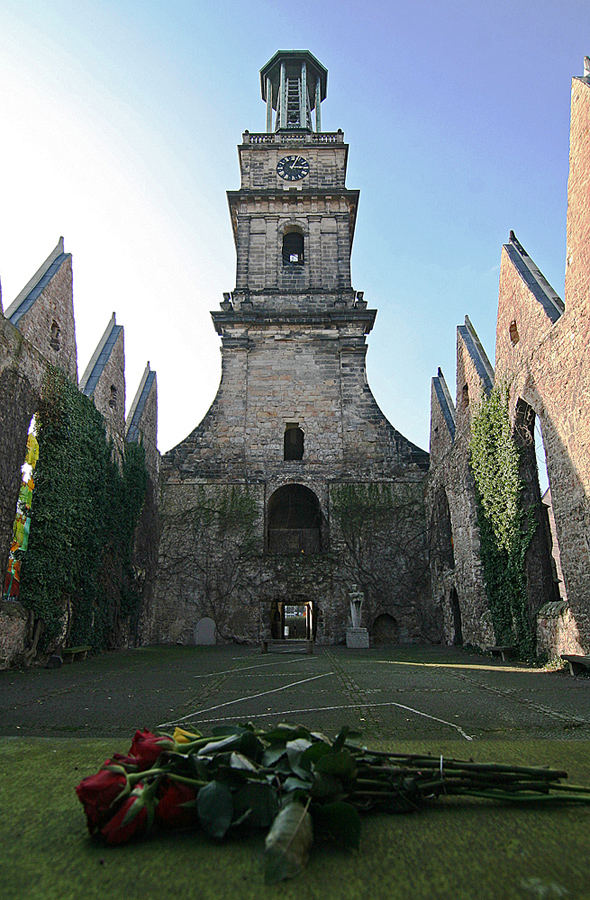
(294, 520)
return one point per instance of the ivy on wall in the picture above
(382, 528)
(77, 571)
(213, 551)
(506, 530)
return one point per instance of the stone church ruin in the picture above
(295, 493)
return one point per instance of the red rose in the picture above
(97, 793)
(146, 748)
(171, 811)
(129, 820)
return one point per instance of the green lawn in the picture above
(455, 849)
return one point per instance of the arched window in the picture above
(293, 441)
(113, 397)
(441, 533)
(293, 248)
(294, 520)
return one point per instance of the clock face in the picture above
(292, 168)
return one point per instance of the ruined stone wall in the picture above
(192, 561)
(200, 572)
(109, 393)
(43, 335)
(312, 375)
(542, 357)
(49, 323)
(578, 190)
(450, 501)
(547, 369)
(21, 377)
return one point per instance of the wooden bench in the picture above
(577, 664)
(71, 653)
(507, 652)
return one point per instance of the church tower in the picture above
(294, 431)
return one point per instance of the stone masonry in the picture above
(38, 330)
(293, 335)
(542, 356)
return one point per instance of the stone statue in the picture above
(356, 598)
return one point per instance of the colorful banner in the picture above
(22, 521)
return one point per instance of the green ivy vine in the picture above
(83, 517)
(506, 529)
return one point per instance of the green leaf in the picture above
(293, 783)
(341, 764)
(216, 808)
(284, 732)
(340, 738)
(295, 750)
(288, 843)
(340, 822)
(231, 742)
(270, 756)
(297, 746)
(200, 766)
(325, 786)
(315, 752)
(243, 740)
(239, 761)
(259, 802)
(220, 730)
(250, 745)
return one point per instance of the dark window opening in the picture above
(293, 441)
(442, 545)
(513, 331)
(294, 618)
(294, 520)
(540, 561)
(113, 397)
(465, 395)
(55, 340)
(293, 248)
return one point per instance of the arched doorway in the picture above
(385, 630)
(294, 521)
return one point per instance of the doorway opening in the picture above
(293, 620)
(456, 613)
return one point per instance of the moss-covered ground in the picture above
(59, 726)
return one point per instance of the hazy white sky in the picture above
(120, 122)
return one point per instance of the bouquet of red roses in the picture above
(128, 794)
(289, 779)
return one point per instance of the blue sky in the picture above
(120, 125)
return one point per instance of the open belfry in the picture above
(294, 490)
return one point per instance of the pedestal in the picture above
(357, 638)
